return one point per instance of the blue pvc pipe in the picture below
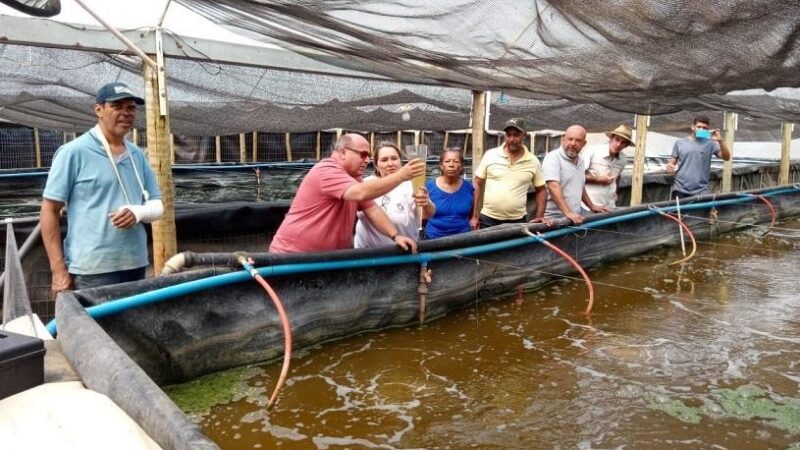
(158, 295)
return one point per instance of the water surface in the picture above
(700, 356)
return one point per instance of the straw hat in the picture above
(622, 131)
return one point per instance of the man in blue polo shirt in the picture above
(691, 159)
(108, 189)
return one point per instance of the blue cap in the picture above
(117, 91)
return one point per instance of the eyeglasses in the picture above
(362, 153)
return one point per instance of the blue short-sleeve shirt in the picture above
(82, 177)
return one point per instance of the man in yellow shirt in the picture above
(502, 179)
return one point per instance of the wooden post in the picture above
(372, 140)
(288, 146)
(637, 182)
(242, 148)
(255, 146)
(172, 147)
(338, 133)
(158, 150)
(319, 145)
(400, 138)
(478, 125)
(37, 145)
(446, 138)
(786, 152)
(727, 166)
(218, 148)
(135, 136)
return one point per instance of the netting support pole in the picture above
(67, 140)
(400, 138)
(372, 140)
(637, 181)
(135, 136)
(786, 152)
(242, 148)
(37, 145)
(160, 156)
(478, 125)
(255, 146)
(338, 133)
(218, 148)
(172, 148)
(446, 138)
(727, 166)
(319, 145)
(288, 146)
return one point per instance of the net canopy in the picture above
(415, 64)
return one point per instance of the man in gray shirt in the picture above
(565, 173)
(691, 159)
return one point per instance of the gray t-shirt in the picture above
(694, 164)
(571, 175)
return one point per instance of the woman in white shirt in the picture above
(400, 204)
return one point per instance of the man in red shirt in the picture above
(323, 212)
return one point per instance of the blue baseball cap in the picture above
(117, 91)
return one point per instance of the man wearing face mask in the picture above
(691, 159)
(565, 174)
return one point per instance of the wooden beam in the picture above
(727, 166)
(786, 152)
(135, 136)
(255, 146)
(172, 148)
(288, 146)
(478, 125)
(446, 138)
(37, 145)
(160, 155)
(400, 138)
(319, 145)
(637, 181)
(242, 148)
(218, 148)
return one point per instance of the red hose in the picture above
(771, 210)
(287, 339)
(287, 329)
(574, 264)
(688, 231)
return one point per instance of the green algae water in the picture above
(706, 355)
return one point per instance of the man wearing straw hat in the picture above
(109, 189)
(604, 163)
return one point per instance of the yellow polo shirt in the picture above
(506, 193)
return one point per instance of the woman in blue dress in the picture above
(452, 195)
